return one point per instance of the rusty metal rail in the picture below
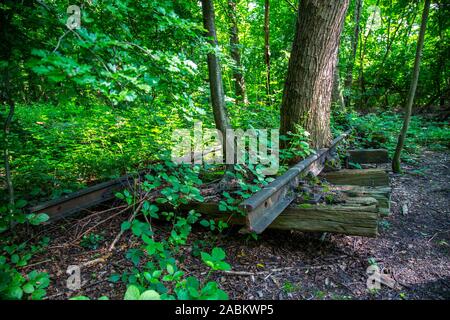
(83, 199)
(264, 206)
(97, 194)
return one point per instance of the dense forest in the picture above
(93, 90)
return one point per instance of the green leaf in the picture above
(80, 298)
(28, 288)
(16, 293)
(222, 265)
(170, 269)
(38, 294)
(21, 203)
(114, 277)
(126, 225)
(204, 223)
(150, 295)
(15, 258)
(218, 254)
(132, 293)
(36, 219)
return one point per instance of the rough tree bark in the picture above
(267, 46)
(307, 91)
(354, 45)
(239, 80)
(412, 90)
(215, 74)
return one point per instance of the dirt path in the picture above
(413, 249)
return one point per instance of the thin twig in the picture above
(116, 239)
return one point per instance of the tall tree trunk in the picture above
(354, 46)
(267, 46)
(214, 72)
(396, 167)
(307, 91)
(239, 80)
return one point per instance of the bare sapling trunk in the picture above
(215, 73)
(396, 166)
(309, 83)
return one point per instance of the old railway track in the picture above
(272, 206)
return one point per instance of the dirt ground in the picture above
(413, 249)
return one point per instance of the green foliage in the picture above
(298, 145)
(13, 283)
(381, 131)
(156, 274)
(92, 241)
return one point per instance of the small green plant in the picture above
(373, 291)
(372, 261)
(329, 198)
(289, 287)
(92, 241)
(320, 295)
(298, 145)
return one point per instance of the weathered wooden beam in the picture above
(358, 217)
(263, 207)
(367, 156)
(360, 177)
(382, 194)
(349, 220)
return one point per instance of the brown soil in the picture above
(413, 249)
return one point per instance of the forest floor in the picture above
(413, 249)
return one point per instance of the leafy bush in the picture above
(381, 131)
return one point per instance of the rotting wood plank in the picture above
(363, 156)
(264, 206)
(382, 194)
(360, 177)
(357, 219)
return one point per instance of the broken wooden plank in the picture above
(360, 177)
(263, 207)
(362, 156)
